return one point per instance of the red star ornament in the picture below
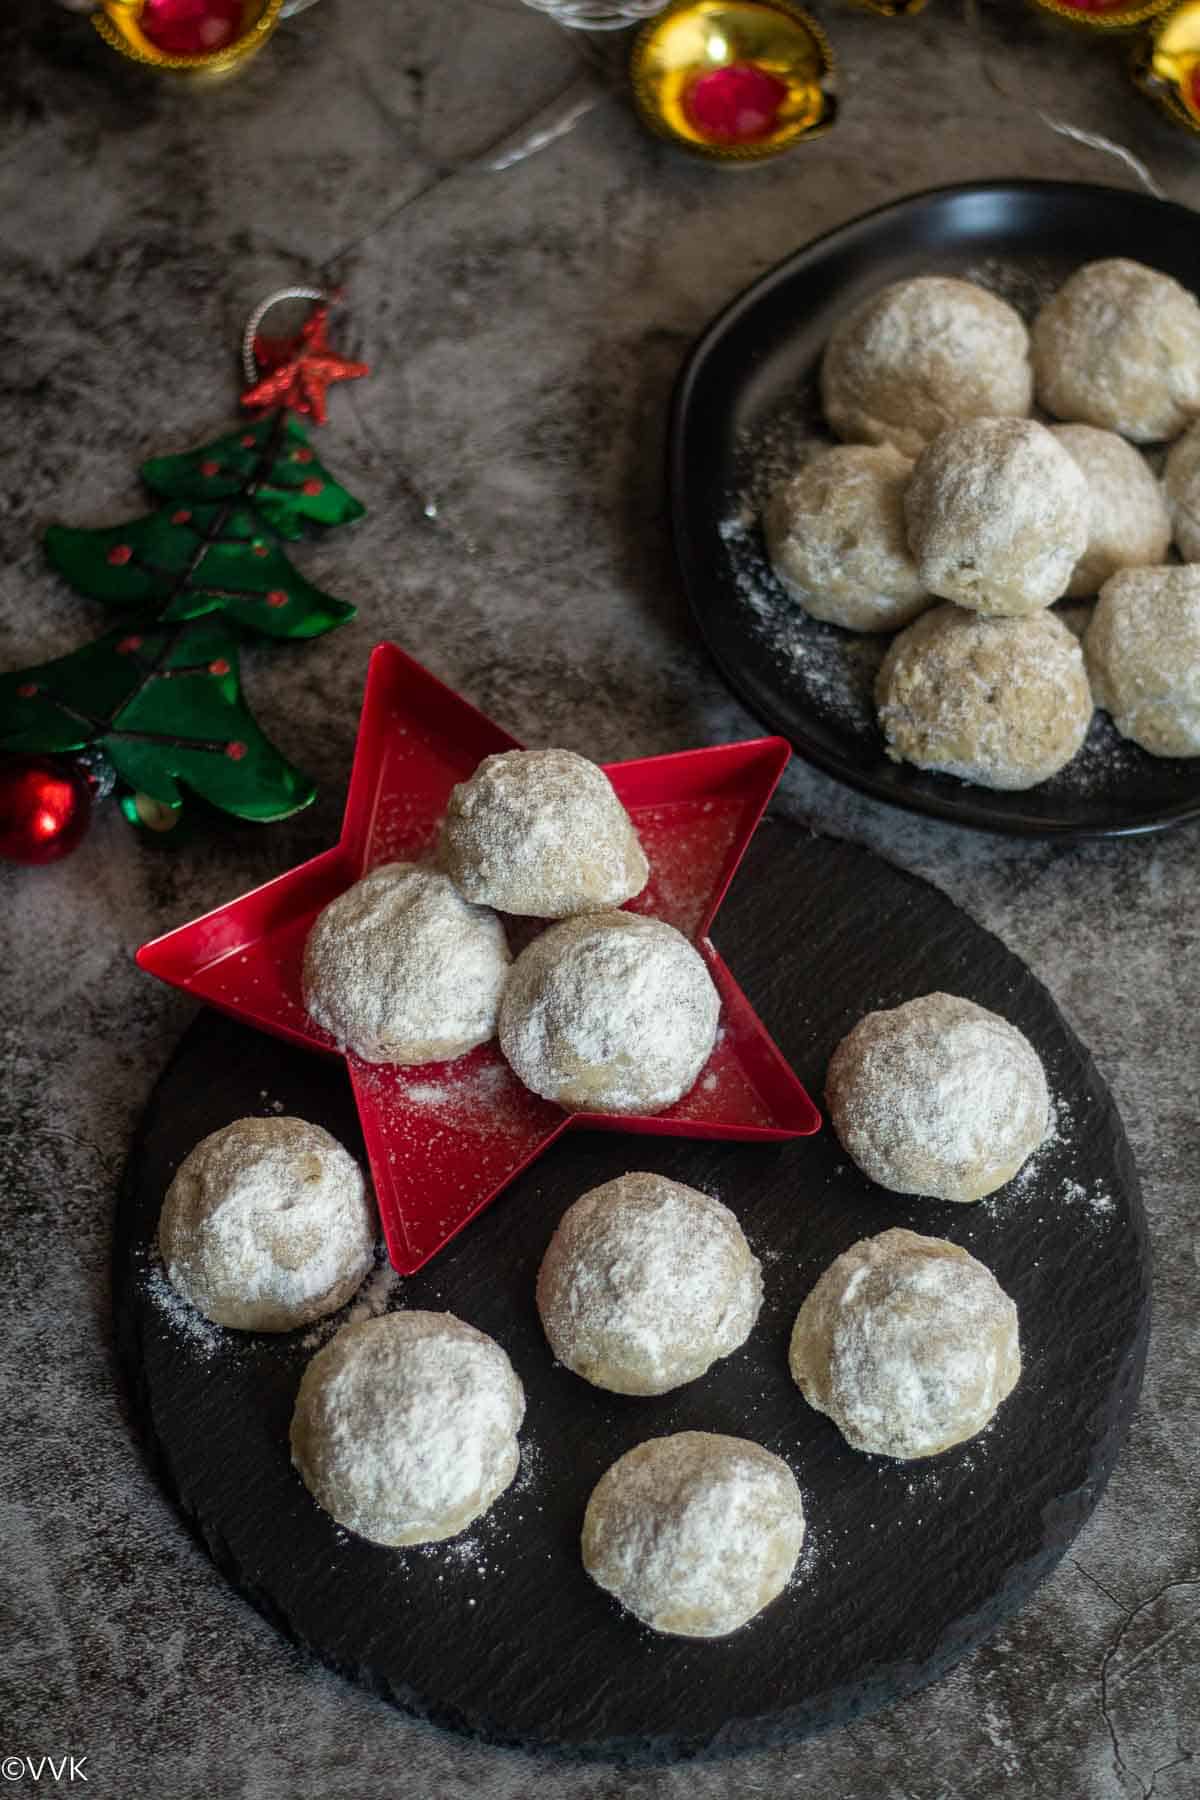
(300, 369)
(444, 1139)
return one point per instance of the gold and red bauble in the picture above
(1166, 65)
(736, 81)
(189, 37)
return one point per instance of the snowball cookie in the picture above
(836, 539)
(938, 1097)
(1128, 525)
(609, 1013)
(694, 1533)
(541, 832)
(645, 1284)
(405, 1426)
(1119, 346)
(921, 355)
(267, 1226)
(997, 516)
(1143, 656)
(1183, 493)
(908, 1344)
(400, 969)
(1002, 702)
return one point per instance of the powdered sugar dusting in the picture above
(688, 843)
(922, 355)
(541, 833)
(401, 969)
(694, 1533)
(1095, 1199)
(832, 670)
(610, 1011)
(265, 1223)
(645, 1283)
(405, 1426)
(922, 1345)
(938, 1096)
(997, 512)
(189, 1327)
(456, 1092)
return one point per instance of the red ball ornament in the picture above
(45, 806)
(191, 27)
(735, 104)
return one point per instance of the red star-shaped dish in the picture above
(299, 369)
(445, 1138)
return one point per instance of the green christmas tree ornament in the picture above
(154, 707)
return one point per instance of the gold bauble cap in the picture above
(1166, 65)
(1103, 15)
(734, 80)
(892, 9)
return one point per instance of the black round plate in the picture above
(758, 361)
(907, 1566)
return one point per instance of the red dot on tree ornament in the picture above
(312, 486)
(181, 517)
(209, 467)
(218, 666)
(736, 104)
(249, 441)
(27, 690)
(277, 597)
(261, 550)
(191, 27)
(128, 644)
(235, 751)
(44, 808)
(120, 553)
(302, 456)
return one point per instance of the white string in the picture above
(1095, 142)
(249, 360)
(1062, 127)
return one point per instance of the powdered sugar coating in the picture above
(997, 516)
(836, 537)
(1143, 657)
(645, 1284)
(920, 356)
(695, 1533)
(908, 1344)
(541, 833)
(1128, 525)
(401, 969)
(1182, 483)
(1119, 346)
(610, 1012)
(938, 1097)
(405, 1426)
(267, 1225)
(1001, 702)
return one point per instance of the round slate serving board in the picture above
(906, 1567)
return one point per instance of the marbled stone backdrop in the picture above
(525, 330)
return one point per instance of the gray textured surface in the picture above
(525, 330)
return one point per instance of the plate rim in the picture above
(969, 814)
